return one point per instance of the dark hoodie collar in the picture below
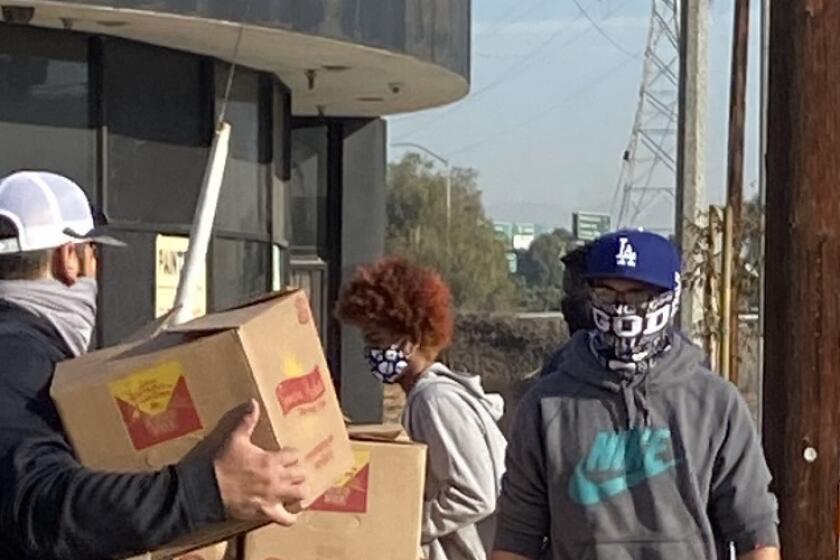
(21, 320)
(674, 366)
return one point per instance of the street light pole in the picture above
(448, 203)
(445, 163)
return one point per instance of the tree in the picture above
(705, 273)
(749, 273)
(541, 271)
(470, 257)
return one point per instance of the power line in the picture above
(492, 25)
(510, 12)
(522, 64)
(516, 18)
(517, 68)
(533, 118)
(519, 58)
(601, 31)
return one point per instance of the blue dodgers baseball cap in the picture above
(634, 255)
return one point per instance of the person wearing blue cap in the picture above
(632, 448)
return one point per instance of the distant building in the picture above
(504, 231)
(523, 236)
(512, 262)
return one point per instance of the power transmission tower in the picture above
(648, 172)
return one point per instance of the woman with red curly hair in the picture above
(405, 313)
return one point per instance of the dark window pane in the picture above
(310, 275)
(280, 267)
(281, 150)
(126, 286)
(243, 202)
(159, 123)
(44, 104)
(241, 270)
(309, 187)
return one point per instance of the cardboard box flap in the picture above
(153, 328)
(378, 432)
(233, 318)
(264, 297)
(78, 370)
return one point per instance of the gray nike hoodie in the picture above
(665, 465)
(450, 412)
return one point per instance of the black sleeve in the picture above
(52, 507)
(523, 515)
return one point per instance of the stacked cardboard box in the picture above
(152, 401)
(373, 513)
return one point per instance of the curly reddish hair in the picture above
(408, 301)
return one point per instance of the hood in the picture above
(554, 361)
(471, 383)
(70, 309)
(678, 363)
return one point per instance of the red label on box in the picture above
(350, 495)
(300, 391)
(156, 405)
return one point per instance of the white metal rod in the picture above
(202, 226)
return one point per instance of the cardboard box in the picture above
(373, 513)
(148, 403)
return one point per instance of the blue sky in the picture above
(552, 104)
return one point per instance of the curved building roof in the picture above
(339, 57)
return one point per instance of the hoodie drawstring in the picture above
(629, 403)
(643, 401)
(635, 397)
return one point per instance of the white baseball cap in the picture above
(48, 211)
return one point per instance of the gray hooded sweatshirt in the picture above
(456, 419)
(661, 466)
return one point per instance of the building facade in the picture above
(123, 96)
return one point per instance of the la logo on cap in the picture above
(626, 255)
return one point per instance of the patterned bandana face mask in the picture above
(631, 337)
(387, 365)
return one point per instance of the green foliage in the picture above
(471, 258)
(748, 273)
(541, 271)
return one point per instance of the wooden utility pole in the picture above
(735, 167)
(691, 143)
(712, 332)
(802, 365)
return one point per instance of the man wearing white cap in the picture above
(51, 506)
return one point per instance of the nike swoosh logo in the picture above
(588, 493)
